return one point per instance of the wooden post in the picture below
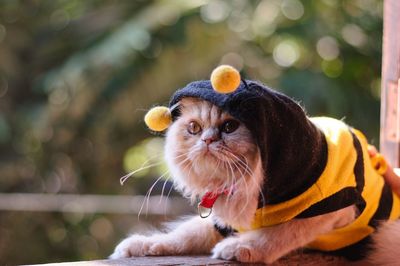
(390, 101)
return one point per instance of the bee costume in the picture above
(312, 166)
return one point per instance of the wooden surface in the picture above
(297, 258)
(390, 101)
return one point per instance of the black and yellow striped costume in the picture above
(312, 166)
(348, 178)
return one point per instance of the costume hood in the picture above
(293, 150)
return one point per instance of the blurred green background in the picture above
(76, 78)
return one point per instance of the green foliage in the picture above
(76, 78)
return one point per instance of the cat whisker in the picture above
(216, 168)
(181, 155)
(240, 166)
(246, 189)
(187, 167)
(163, 188)
(123, 179)
(255, 183)
(230, 161)
(169, 193)
(238, 159)
(187, 164)
(252, 179)
(232, 176)
(142, 167)
(230, 182)
(147, 196)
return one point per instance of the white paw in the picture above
(162, 249)
(133, 246)
(235, 249)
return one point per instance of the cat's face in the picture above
(208, 150)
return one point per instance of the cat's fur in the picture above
(232, 161)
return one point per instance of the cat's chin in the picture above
(198, 186)
(215, 185)
(209, 155)
(214, 157)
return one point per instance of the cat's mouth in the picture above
(234, 164)
(210, 152)
(221, 155)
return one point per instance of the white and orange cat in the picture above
(209, 149)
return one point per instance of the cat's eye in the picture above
(230, 126)
(194, 128)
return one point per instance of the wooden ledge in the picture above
(297, 258)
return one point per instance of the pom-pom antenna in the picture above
(225, 79)
(158, 118)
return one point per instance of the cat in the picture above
(210, 147)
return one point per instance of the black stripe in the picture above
(384, 208)
(359, 166)
(341, 199)
(224, 231)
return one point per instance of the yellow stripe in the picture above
(340, 238)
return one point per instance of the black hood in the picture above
(293, 150)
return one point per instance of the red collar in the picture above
(207, 201)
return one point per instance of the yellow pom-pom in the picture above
(158, 118)
(225, 79)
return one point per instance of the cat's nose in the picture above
(210, 135)
(209, 140)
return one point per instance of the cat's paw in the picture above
(133, 246)
(162, 249)
(236, 249)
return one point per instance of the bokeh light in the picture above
(354, 35)
(292, 9)
(286, 53)
(215, 11)
(328, 48)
